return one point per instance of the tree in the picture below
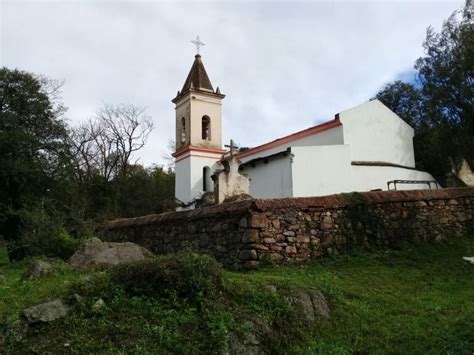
(102, 152)
(442, 108)
(33, 153)
(104, 145)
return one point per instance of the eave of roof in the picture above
(266, 158)
(292, 137)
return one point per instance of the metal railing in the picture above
(427, 182)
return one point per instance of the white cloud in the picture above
(283, 65)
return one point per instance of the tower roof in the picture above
(197, 77)
(197, 80)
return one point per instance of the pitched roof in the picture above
(197, 77)
(292, 137)
(197, 80)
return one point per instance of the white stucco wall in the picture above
(322, 170)
(329, 137)
(189, 176)
(182, 186)
(272, 180)
(375, 133)
(192, 108)
(368, 178)
(327, 170)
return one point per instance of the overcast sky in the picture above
(283, 66)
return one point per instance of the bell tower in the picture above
(198, 133)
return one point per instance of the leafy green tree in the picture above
(442, 108)
(33, 153)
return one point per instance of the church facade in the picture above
(364, 148)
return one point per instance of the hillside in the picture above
(417, 299)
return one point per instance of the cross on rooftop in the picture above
(197, 42)
(232, 147)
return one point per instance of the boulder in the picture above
(38, 268)
(246, 344)
(247, 341)
(98, 305)
(45, 312)
(95, 252)
(469, 259)
(309, 303)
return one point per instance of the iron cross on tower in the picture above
(197, 42)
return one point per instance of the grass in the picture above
(418, 299)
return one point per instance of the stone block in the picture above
(250, 264)
(290, 249)
(326, 223)
(276, 257)
(276, 224)
(243, 222)
(303, 239)
(258, 220)
(269, 241)
(251, 236)
(248, 254)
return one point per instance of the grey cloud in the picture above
(283, 65)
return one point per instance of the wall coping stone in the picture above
(261, 205)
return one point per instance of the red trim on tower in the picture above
(190, 148)
(292, 137)
(196, 155)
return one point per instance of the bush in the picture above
(33, 232)
(186, 275)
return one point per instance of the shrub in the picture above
(35, 232)
(186, 275)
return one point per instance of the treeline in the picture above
(58, 182)
(440, 103)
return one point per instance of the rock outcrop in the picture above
(38, 268)
(94, 252)
(45, 312)
(310, 304)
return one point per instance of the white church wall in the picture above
(321, 170)
(190, 174)
(329, 137)
(375, 133)
(325, 170)
(272, 180)
(182, 180)
(368, 178)
(197, 165)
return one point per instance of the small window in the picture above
(206, 179)
(183, 130)
(206, 128)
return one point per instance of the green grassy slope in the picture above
(416, 300)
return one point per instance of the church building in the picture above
(367, 147)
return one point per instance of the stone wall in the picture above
(241, 234)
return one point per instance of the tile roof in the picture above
(197, 77)
(197, 80)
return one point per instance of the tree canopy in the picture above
(58, 181)
(440, 106)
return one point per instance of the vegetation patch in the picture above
(416, 299)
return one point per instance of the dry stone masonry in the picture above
(243, 234)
